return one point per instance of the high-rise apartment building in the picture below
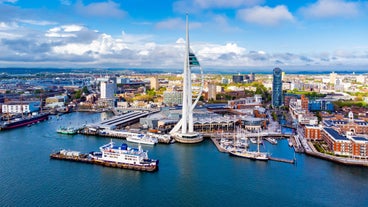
(107, 90)
(277, 88)
(154, 83)
(212, 92)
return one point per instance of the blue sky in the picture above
(236, 34)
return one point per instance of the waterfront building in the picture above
(312, 132)
(56, 101)
(107, 89)
(348, 124)
(345, 145)
(277, 88)
(21, 107)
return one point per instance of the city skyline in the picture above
(323, 34)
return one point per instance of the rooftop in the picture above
(335, 135)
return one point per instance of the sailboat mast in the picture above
(258, 143)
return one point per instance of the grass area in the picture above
(318, 147)
(351, 103)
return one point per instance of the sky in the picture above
(224, 34)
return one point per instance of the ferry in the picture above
(142, 139)
(26, 121)
(124, 155)
(111, 155)
(66, 130)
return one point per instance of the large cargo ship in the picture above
(19, 122)
(111, 155)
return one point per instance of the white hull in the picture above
(142, 140)
(251, 155)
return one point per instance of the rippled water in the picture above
(189, 175)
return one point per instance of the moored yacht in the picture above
(142, 139)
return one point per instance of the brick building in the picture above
(352, 146)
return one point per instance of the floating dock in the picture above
(293, 161)
(78, 157)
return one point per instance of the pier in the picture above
(215, 141)
(293, 161)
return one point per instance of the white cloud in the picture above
(100, 9)
(331, 8)
(265, 15)
(36, 22)
(64, 31)
(8, 26)
(194, 6)
(79, 46)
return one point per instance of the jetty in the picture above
(85, 158)
(216, 142)
(293, 161)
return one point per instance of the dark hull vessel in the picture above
(23, 122)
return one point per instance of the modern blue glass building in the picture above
(320, 105)
(277, 88)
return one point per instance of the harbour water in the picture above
(189, 175)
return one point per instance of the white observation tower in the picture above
(187, 134)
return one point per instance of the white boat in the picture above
(66, 130)
(290, 143)
(271, 140)
(255, 155)
(124, 155)
(164, 137)
(253, 140)
(142, 139)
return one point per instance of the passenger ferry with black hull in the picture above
(111, 155)
(26, 121)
